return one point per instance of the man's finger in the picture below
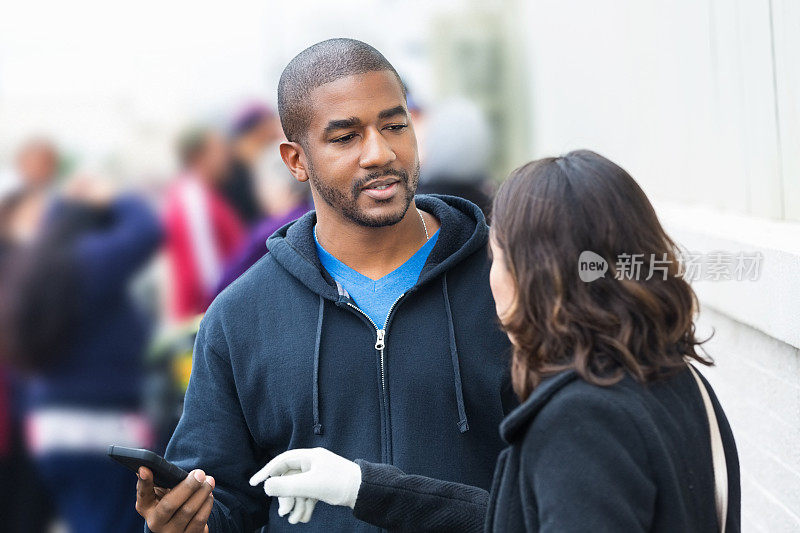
(145, 495)
(198, 522)
(299, 486)
(288, 460)
(173, 501)
(185, 514)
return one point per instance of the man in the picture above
(203, 231)
(368, 328)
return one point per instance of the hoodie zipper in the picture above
(380, 345)
(380, 340)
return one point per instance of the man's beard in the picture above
(347, 204)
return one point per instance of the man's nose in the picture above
(376, 151)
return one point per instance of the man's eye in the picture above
(397, 127)
(343, 138)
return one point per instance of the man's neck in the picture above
(373, 252)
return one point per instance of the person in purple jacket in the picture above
(283, 198)
(71, 326)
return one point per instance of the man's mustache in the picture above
(378, 174)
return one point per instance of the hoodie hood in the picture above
(463, 231)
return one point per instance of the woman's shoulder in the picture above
(577, 409)
(627, 411)
(590, 403)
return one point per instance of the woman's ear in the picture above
(294, 158)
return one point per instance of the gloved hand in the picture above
(324, 476)
(301, 508)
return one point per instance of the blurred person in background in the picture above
(419, 117)
(24, 503)
(25, 191)
(255, 127)
(37, 164)
(69, 324)
(282, 197)
(27, 188)
(458, 148)
(203, 230)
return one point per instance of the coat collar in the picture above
(517, 421)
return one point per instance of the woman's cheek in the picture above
(502, 287)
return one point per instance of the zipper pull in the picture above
(379, 344)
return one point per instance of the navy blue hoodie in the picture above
(284, 359)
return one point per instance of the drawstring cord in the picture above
(317, 424)
(463, 426)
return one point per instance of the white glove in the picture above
(324, 476)
(301, 508)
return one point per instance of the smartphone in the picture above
(165, 474)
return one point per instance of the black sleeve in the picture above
(395, 501)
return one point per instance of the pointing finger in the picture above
(299, 485)
(292, 459)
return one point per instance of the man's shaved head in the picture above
(317, 65)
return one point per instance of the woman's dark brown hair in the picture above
(545, 215)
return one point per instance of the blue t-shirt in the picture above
(376, 297)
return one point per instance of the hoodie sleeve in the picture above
(395, 501)
(213, 435)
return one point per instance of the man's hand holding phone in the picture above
(184, 508)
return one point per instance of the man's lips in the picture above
(384, 182)
(389, 189)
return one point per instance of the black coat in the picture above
(622, 458)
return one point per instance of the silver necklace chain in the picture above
(424, 226)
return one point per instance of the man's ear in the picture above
(294, 158)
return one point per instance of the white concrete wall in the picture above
(700, 101)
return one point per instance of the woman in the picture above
(612, 433)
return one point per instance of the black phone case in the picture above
(165, 474)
